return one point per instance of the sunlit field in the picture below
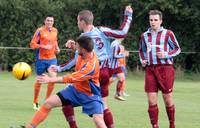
(16, 104)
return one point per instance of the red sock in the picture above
(153, 115)
(171, 115)
(37, 87)
(108, 118)
(119, 87)
(40, 115)
(69, 115)
(50, 88)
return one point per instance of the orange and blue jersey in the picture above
(44, 36)
(86, 76)
(122, 61)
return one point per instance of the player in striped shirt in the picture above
(117, 68)
(84, 89)
(158, 46)
(101, 37)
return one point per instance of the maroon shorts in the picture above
(116, 70)
(159, 77)
(104, 77)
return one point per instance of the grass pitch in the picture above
(16, 104)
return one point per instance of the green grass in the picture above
(16, 104)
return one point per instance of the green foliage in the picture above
(20, 18)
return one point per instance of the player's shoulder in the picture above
(40, 29)
(54, 29)
(94, 59)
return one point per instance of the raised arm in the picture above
(123, 30)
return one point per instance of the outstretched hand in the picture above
(70, 44)
(44, 78)
(129, 9)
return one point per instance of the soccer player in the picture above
(122, 64)
(83, 91)
(46, 45)
(158, 46)
(101, 38)
(117, 66)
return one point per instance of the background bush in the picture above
(20, 18)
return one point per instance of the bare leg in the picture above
(99, 121)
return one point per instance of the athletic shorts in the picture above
(117, 70)
(104, 76)
(159, 77)
(90, 104)
(123, 69)
(42, 65)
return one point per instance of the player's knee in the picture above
(48, 105)
(99, 122)
(122, 79)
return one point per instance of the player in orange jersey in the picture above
(84, 89)
(122, 63)
(46, 45)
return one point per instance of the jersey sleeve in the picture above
(174, 46)
(117, 54)
(122, 31)
(69, 64)
(85, 73)
(142, 49)
(36, 37)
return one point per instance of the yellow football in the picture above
(21, 70)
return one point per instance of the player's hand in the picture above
(70, 44)
(57, 50)
(126, 53)
(43, 78)
(160, 55)
(129, 9)
(144, 63)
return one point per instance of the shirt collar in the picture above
(150, 30)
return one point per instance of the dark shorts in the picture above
(159, 77)
(117, 70)
(104, 77)
(90, 104)
(42, 65)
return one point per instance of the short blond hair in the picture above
(86, 16)
(156, 12)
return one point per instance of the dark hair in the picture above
(86, 43)
(156, 12)
(49, 15)
(86, 16)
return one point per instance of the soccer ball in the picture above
(21, 70)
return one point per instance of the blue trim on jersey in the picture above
(94, 89)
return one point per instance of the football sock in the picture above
(50, 88)
(40, 115)
(108, 118)
(171, 115)
(69, 115)
(37, 87)
(119, 87)
(153, 115)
